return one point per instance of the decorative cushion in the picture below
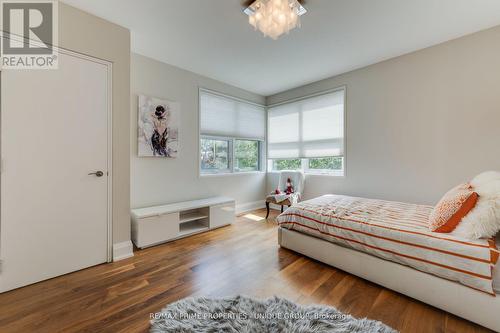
(452, 208)
(484, 220)
(485, 178)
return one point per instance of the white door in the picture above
(54, 133)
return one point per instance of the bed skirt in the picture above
(449, 296)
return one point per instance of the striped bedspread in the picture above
(395, 231)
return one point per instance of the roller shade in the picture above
(227, 117)
(312, 127)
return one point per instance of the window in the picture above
(308, 134)
(293, 164)
(232, 134)
(323, 165)
(214, 155)
(326, 165)
(246, 155)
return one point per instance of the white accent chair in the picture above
(297, 178)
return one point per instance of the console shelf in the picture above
(160, 224)
(193, 216)
(192, 227)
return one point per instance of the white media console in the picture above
(159, 224)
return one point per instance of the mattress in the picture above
(398, 232)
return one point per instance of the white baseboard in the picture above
(123, 250)
(249, 206)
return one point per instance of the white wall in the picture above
(163, 180)
(417, 124)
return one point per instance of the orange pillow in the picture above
(452, 207)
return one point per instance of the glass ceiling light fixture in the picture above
(275, 17)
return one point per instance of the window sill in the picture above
(225, 174)
(309, 173)
(326, 174)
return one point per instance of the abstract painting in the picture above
(158, 127)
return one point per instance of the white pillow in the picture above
(483, 221)
(485, 178)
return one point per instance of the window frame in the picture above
(231, 156)
(305, 161)
(326, 172)
(304, 166)
(259, 155)
(230, 172)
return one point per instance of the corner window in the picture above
(228, 155)
(333, 166)
(308, 134)
(326, 165)
(232, 133)
(214, 155)
(292, 164)
(246, 155)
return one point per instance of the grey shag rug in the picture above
(244, 314)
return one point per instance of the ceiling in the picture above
(213, 38)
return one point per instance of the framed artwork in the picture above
(158, 126)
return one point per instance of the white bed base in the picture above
(452, 297)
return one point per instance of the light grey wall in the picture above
(163, 180)
(417, 124)
(88, 34)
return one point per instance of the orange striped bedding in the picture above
(398, 232)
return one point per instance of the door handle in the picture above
(97, 173)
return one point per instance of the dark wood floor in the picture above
(240, 259)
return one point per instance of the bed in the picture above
(389, 243)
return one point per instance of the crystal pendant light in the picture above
(275, 17)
